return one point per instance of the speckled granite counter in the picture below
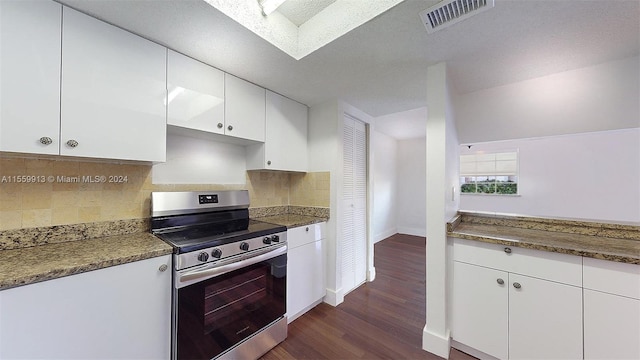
(292, 220)
(614, 242)
(290, 216)
(118, 243)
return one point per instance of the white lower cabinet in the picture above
(611, 326)
(120, 312)
(514, 316)
(611, 310)
(480, 309)
(305, 269)
(545, 319)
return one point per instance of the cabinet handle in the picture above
(269, 162)
(517, 285)
(229, 127)
(500, 281)
(220, 125)
(163, 268)
(507, 250)
(72, 143)
(45, 140)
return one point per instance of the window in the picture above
(489, 173)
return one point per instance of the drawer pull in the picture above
(500, 281)
(507, 250)
(517, 285)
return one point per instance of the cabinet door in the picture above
(195, 97)
(30, 76)
(480, 308)
(244, 109)
(113, 92)
(545, 319)
(121, 312)
(286, 134)
(305, 278)
(611, 326)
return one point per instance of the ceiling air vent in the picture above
(447, 13)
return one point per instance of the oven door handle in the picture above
(193, 276)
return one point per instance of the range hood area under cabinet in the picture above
(84, 88)
(92, 95)
(207, 103)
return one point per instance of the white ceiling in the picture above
(380, 66)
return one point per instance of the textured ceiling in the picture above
(380, 66)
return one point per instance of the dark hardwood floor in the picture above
(379, 320)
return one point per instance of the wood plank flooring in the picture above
(379, 320)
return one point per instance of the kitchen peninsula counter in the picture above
(32, 255)
(607, 241)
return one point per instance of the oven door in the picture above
(220, 306)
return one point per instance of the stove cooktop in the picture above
(196, 237)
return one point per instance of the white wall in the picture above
(412, 179)
(596, 98)
(385, 186)
(199, 161)
(587, 176)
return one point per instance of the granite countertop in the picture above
(26, 265)
(291, 220)
(614, 242)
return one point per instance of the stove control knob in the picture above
(275, 238)
(244, 246)
(266, 240)
(216, 253)
(203, 256)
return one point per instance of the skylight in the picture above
(336, 19)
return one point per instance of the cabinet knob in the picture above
(220, 125)
(163, 268)
(507, 250)
(307, 229)
(517, 285)
(72, 143)
(500, 281)
(45, 140)
(269, 162)
(229, 127)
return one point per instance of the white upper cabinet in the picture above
(113, 92)
(30, 76)
(244, 109)
(195, 97)
(285, 146)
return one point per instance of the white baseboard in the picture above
(371, 274)
(436, 343)
(471, 351)
(334, 297)
(385, 234)
(412, 231)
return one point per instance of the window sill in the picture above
(482, 194)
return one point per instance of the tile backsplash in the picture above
(45, 192)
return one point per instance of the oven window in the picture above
(216, 314)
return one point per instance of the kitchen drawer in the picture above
(612, 277)
(552, 266)
(302, 235)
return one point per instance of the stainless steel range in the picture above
(229, 294)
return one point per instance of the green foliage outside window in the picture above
(489, 185)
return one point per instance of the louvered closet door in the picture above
(354, 236)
